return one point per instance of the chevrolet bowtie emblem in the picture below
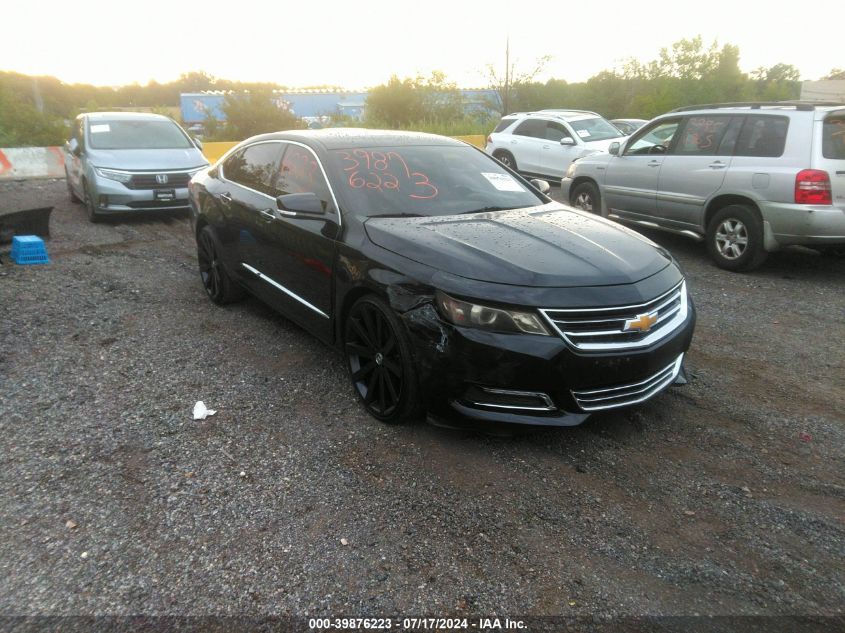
(642, 323)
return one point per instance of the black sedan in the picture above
(453, 286)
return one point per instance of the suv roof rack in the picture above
(553, 111)
(756, 105)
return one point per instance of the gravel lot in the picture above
(726, 496)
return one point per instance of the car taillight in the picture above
(812, 186)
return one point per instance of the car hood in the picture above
(147, 159)
(547, 246)
(601, 146)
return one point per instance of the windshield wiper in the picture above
(397, 215)
(488, 209)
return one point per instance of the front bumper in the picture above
(565, 186)
(803, 224)
(111, 196)
(469, 373)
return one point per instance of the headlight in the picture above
(112, 174)
(570, 171)
(486, 318)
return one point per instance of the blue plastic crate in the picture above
(29, 249)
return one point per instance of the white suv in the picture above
(748, 178)
(544, 143)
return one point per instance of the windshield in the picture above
(426, 180)
(595, 129)
(137, 134)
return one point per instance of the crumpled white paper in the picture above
(200, 411)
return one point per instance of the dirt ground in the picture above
(725, 496)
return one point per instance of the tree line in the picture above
(37, 110)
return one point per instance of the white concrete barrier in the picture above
(32, 162)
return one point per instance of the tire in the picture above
(73, 197)
(380, 362)
(506, 158)
(218, 285)
(586, 197)
(93, 216)
(735, 238)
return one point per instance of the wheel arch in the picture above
(725, 200)
(580, 180)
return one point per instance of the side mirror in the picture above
(567, 140)
(542, 185)
(614, 148)
(198, 143)
(307, 203)
(73, 147)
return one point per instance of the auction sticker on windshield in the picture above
(503, 182)
(101, 127)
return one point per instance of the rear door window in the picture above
(254, 167)
(763, 136)
(833, 137)
(702, 135)
(535, 128)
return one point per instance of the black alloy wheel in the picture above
(379, 361)
(219, 287)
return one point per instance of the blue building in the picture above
(313, 104)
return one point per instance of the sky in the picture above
(361, 44)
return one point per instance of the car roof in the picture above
(343, 138)
(560, 115)
(125, 116)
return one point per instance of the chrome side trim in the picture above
(279, 286)
(222, 174)
(507, 392)
(609, 397)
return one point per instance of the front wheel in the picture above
(506, 158)
(735, 238)
(379, 361)
(586, 196)
(90, 205)
(73, 197)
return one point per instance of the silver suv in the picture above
(747, 177)
(119, 162)
(544, 143)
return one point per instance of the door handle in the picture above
(654, 163)
(268, 214)
(226, 197)
(546, 146)
(717, 165)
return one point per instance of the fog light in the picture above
(103, 201)
(508, 399)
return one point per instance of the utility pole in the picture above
(506, 95)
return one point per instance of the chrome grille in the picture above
(148, 181)
(632, 393)
(614, 328)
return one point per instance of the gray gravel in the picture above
(726, 496)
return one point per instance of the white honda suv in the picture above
(544, 143)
